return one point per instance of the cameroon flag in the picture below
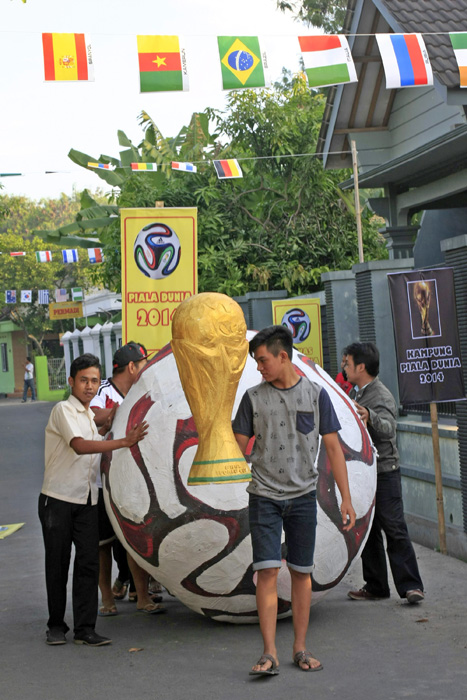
(67, 57)
(162, 64)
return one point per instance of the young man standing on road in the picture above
(286, 414)
(376, 407)
(127, 363)
(68, 503)
(28, 380)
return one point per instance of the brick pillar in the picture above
(455, 254)
(341, 314)
(374, 313)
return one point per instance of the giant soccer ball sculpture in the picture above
(195, 539)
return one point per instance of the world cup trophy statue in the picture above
(422, 295)
(210, 348)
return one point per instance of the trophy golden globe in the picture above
(210, 348)
(422, 295)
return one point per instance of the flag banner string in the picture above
(44, 296)
(70, 255)
(163, 64)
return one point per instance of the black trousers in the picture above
(389, 518)
(64, 524)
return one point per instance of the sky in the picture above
(40, 122)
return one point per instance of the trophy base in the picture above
(219, 471)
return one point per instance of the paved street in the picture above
(383, 650)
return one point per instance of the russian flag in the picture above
(70, 255)
(405, 60)
(188, 167)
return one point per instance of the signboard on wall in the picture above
(303, 318)
(159, 270)
(429, 364)
(65, 309)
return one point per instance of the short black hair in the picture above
(367, 354)
(84, 362)
(28, 358)
(275, 338)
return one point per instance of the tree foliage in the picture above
(327, 14)
(24, 272)
(280, 226)
(21, 215)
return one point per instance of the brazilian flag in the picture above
(242, 62)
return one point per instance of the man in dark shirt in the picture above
(286, 414)
(376, 407)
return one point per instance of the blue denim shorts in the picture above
(298, 518)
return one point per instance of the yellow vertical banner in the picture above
(303, 319)
(159, 271)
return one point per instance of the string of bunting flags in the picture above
(225, 169)
(43, 296)
(70, 255)
(163, 63)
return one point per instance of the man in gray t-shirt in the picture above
(286, 414)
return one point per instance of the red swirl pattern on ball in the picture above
(326, 491)
(147, 537)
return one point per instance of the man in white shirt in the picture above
(68, 503)
(128, 361)
(28, 380)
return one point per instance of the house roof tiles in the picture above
(429, 17)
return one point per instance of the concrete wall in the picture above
(414, 440)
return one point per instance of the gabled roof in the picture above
(366, 105)
(427, 17)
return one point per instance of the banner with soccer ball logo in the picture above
(159, 271)
(303, 319)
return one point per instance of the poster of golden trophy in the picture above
(424, 308)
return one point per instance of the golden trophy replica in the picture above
(210, 348)
(422, 296)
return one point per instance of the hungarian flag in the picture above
(142, 167)
(243, 63)
(227, 169)
(95, 255)
(327, 60)
(43, 256)
(405, 60)
(67, 57)
(459, 44)
(162, 63)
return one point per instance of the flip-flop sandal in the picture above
(273, 670)
(121, 589)
(133, 598)
(152, 609)
(107, 612)
(305, 657)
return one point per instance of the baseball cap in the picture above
(131, 352)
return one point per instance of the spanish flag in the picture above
(67, 57)
(162, 63)
(227, 169)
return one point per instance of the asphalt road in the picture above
(384, 650)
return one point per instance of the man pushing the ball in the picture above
(286, 414)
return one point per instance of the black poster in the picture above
(427, 341)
